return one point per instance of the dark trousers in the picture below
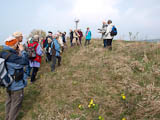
(109, 42)
(13, 104)
(71, 39)
(105, 43)
(34, 73)
(48, 57)
(87, 42)
(80, 41)
(53, 64)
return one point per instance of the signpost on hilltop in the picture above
(76, 21)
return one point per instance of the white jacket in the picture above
(108, 32)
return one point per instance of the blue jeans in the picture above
(105, 43)
(71, 39)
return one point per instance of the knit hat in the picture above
(17, 34)
(11, 41)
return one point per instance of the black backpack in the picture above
(31, 52)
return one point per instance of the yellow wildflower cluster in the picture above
(91, 104)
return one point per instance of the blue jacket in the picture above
(88, 36)
(16, 64)
(57, 47)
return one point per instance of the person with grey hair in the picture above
(108, 36)
(36, 61)
(103, 31)
(55, 51)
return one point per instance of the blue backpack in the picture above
(114, 31)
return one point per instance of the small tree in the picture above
(41, 33)
(133, 36)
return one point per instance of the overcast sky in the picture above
(127, 15)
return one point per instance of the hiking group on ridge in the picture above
(19, 62)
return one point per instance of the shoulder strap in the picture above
(35, 45)
(7, 56)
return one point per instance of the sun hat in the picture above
(17, 34)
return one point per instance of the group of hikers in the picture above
(19, 62)
(77, 35)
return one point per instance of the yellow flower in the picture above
(89, 106)
(80, 106)
(124, 119)
(123, 97)
(99, 117)
(91, 102)
(94, 105)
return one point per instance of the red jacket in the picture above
(38, 58)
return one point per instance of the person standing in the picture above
(28, 68)
(108, 35)
(103, 32)
(45, 45)
(75, 38)
(15, 64)
(46, 41)
(88, 36)
(55, 52)
(80, 36)
(35, 63)
(60, 41)
(71, 37)
(64, 38)
(48, 49)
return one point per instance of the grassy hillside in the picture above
(123, 83)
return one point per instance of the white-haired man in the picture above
(103, 31)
